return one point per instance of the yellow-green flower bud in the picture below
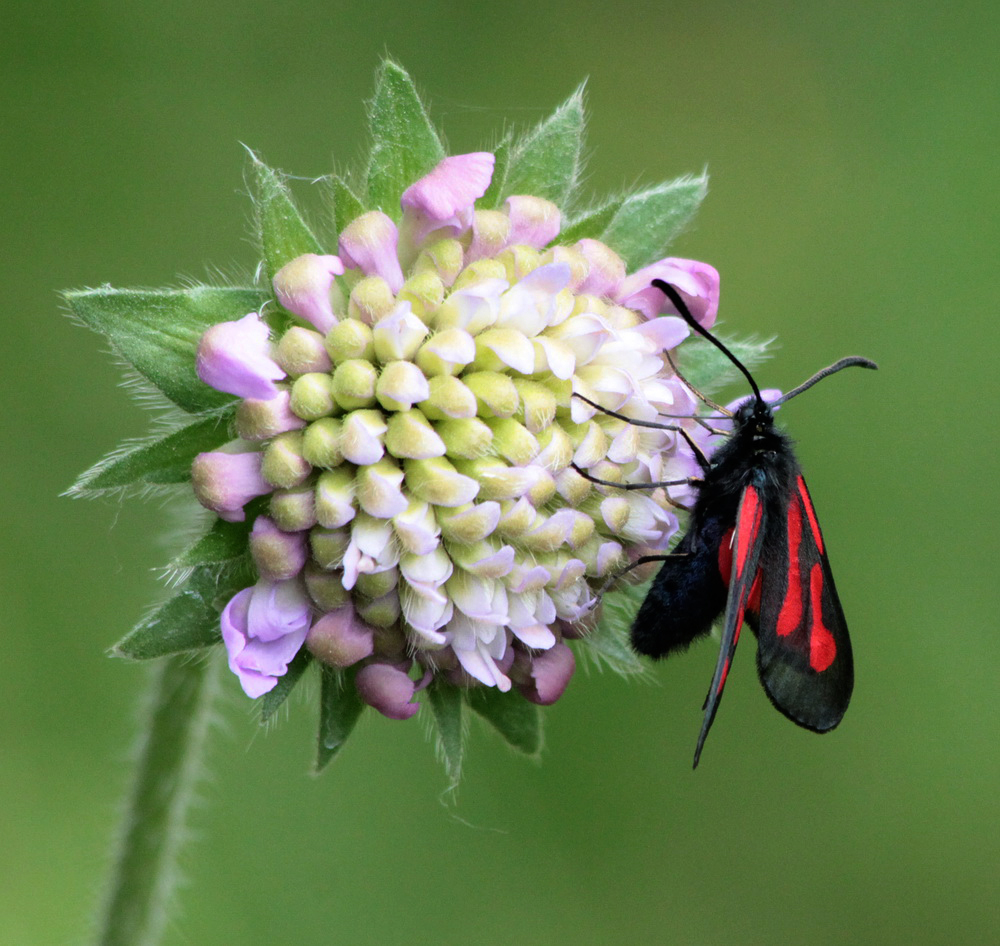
(468, 523)
(377, 584)
(436, 481)
(478, 272)
(466, 437)
(519, 260)
(379, 612)
(294, 510)
(513, 441)
(445, 257)
(350, 339)
(446, 353)
(401, 385)
(448, 397)
(354, 384)
(516, 518)
(300, 351)
(321, 443)
(425, 292)
(538, 404)
(491, 229)
(335, 497)
(326, 588)
(371, 300)
(378, 489)
(495, 394)
(312, 396)
(284, 464)
(328, 546)
(410, 435)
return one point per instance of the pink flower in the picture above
(533, 221)
(388, 689)
(235, 357)
(698, 284)
(226, 482)
(369, 244)
(303, 287)
(445, 197)
(340, 638)
(263, 628)
(550, 674)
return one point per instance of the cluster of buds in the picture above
(424, 429)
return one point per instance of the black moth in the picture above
(754, 551)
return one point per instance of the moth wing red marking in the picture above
(803, 648)
(747, 539)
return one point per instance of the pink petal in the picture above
(452, 187)
(387, 689)
(369, 244)
(235, 357)
(533, 221)
(698, 284)
(303, 287)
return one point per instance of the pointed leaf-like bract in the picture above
(273, 699)
(608, 644)
(446, 706)
(495, 193)
(646, 222)
(340, 706)
(159, 461)
(157, 332)
(516, 719)
(190, 619)
(708, 370)
(283, 233)
(592, 223)
(224, 542)
(405, 145)
(545, 161)
(347, 205)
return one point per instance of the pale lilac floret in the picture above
(369, 244)
(263, 628)
(235, 357)
(341, 638)
(226, 482)
(387, 689)
(278, 555)
(445, 197)
(534, 221)
(698, 284)
(303, 288)
(550, 674)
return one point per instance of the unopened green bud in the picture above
(354, 384)
(448, 397)
(371, 300)
(516, 518)
(519, 260)
(436, 481)
(312, 396)
(300, 351)
(538, 404)
(349, 339)
(321, 442)
(495, 394)
(425, 292)
(573, 487)
(592, 446)
(445, 257)
(556, 451)
(284, 464)
(466, 437)
(401, 385)
(480, 271)
(513, 441)
(377, 584)
(447, 352)
(379, 612)
(326, 588)
(492, 230)
(410, 435)
(468, 523)
(294, 510)
(329, 545)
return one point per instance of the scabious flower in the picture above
(402, 432)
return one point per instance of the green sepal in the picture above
(608, 644)
(405, 145)
(446, 707)
(339, 709)
(592, 223)
(645, 223)
(157, 461)
(225, 542)
(545, 161)
(347, 206)
(157, 332)
(705, 367)
(283, 233)
(515, 718)
(190, 619)
(494, 195)
(273, 699)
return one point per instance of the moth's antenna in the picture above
(675, 297)
(826, 372)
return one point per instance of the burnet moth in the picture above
(754, 552)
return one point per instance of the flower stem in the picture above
(153, 827)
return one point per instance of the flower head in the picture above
(433, 419)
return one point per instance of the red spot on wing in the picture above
(811, 514)
(726, 556)
(822, 646)
(790, 616)
(729, 660)
(748, 525)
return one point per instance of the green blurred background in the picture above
(852, 148)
